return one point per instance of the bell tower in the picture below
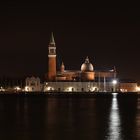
(52, 59)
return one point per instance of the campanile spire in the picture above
(52, 39)
(52, 59)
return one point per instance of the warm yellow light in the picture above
(93, 89)
(49, 88)
(137, 88)
(2, 89)
(123, 90)
(17, 88)
(70, 89)
(27, 88)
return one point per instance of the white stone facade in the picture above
(79, 87)
(33, 84)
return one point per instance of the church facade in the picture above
(87, 79)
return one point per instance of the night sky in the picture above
(109, 35)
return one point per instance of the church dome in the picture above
(87, 66)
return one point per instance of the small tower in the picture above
(62, 68)
(52, 59)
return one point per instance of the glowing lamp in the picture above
(114, 82)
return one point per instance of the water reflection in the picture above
(70, 118)
(138, 119)
(114, 132)
(100, 118)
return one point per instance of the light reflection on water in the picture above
(114, 131)
(95, 118)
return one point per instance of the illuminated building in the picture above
(32, 84)
(85, 79)
(128, 86)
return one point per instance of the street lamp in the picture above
(114, 82)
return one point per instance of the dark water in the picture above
(43, 118)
